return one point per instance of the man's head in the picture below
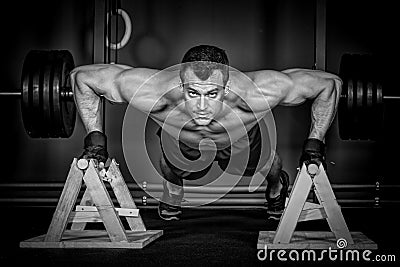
(204, 74)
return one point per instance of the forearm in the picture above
(88, 104)
(324, 109)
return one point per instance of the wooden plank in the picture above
(291, 214)
(86, 200)
(310, 205)
(103, 202)
(85, 208)
(128, 212)
(312, 214)
(314, 240)
(124, 196)
(94, 239)
(65, 204)
(334, 214)
(85, 217)
(120, 211)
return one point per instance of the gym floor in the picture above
(203, 236)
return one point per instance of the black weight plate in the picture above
(26, 93)
(47, 101)
(342, 117)
(37, 95)
(67, 104)
(344, 110)
(379, 111)
(370, 110)
(362, 111)
(350, 108)
(58, 130)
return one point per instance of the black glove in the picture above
(313, 152)
(95, 146)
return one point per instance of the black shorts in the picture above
(235, 163)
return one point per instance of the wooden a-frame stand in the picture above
(298, 210)
(96, 206)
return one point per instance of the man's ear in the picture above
(227, 87)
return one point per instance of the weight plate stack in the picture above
(361, 109)
(48, 110)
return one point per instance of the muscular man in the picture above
(203, 100)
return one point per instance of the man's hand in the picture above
(95, 147)
(313, 152)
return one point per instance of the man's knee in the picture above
(274, 168)
(276, 163)
(168, 174)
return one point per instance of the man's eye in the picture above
(212, 95)
(192, 94)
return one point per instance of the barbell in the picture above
(361, 104)
(48, 108)
(47, 102)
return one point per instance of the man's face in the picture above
(203, 99)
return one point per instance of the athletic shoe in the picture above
(168, 212)
(169, 207)
(276, 205)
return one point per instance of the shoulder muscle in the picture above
(268, 86)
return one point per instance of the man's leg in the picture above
(273, 176)
(278, 179)
(170, 203)
(277, 188)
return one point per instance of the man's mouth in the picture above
(202, 117)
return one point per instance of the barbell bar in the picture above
(68, 94)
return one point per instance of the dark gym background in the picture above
(256, 34)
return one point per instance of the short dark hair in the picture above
(204, 59)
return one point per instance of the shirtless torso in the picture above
(205, 108)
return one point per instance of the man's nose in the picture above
(202, 103)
